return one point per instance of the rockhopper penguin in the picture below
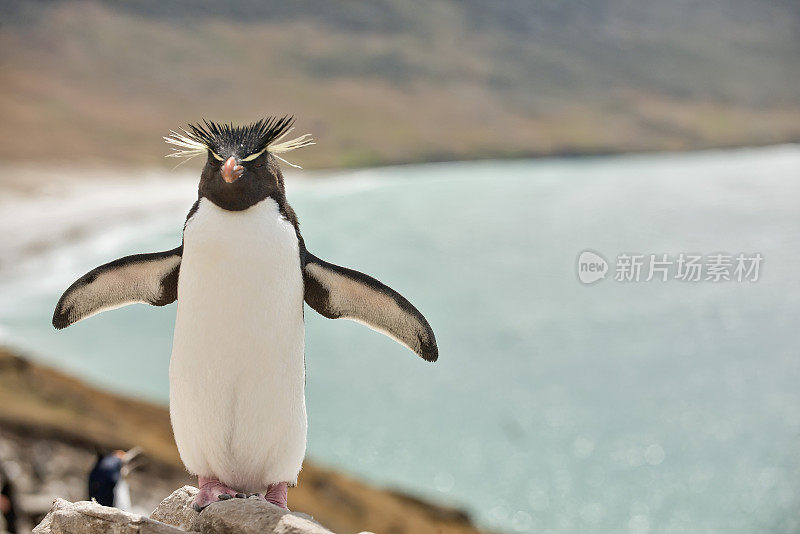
(107, 479)
(237, 371)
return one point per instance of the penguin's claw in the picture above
(211, 491)
(275, 495)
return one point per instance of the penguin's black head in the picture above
(236, 184)
(241, 168)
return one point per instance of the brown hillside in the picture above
(399, 81)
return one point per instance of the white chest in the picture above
(240, 273)
(237, 373)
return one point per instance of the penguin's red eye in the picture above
(259, 164)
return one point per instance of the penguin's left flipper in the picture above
(148, 278)
(336, 292)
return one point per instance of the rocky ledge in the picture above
(175, 515)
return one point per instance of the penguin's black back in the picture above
(103, 479)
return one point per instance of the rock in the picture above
(176, 510)
(247, 516)
(88, 517)
(175, 515)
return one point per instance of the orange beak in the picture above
(231, 171)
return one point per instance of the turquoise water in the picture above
(616, 407)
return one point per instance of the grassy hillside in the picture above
(398, 80)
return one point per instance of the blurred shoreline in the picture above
(39, 201)
(51, 425)
(95, 168)
(52, 214)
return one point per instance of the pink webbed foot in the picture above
(276, 494)
(211, 491)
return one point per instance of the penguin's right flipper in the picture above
(148, 278)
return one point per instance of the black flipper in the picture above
(148, 278)
(336, 292)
